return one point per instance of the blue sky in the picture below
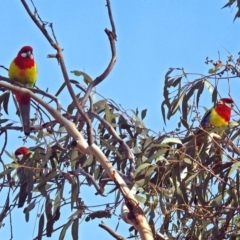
(152, 36)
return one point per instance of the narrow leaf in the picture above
(143, 113)
(40, 227)
(75, 229)
(171, 140)
(64, 229)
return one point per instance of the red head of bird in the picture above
(25, 58)
(223, 108)
(21, 152)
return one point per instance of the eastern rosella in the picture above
(29, 171)
(24, 70)
(219, 115)
(26, 185)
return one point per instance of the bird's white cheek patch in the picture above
(24, 55)
(229, 105)
(20, 156)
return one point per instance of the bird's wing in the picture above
(206, 119)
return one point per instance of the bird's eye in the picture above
(24, 54)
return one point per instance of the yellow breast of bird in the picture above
(216, 120)
(26, 76)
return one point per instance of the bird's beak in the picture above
(29, 55)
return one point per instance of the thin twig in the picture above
(53, 32)
(1, 66)
(111, 130)
(10, 217)
(40, 111)
(80, 170)
(3, 149)
(41, 27)
(109, 68)
(111, 19)
(75, 100)
(90, 97)
(112, 37)
(111, 232)
(46, 94)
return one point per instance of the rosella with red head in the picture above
(25, 184)
(24, 70)
(219, 115)
(21, 152)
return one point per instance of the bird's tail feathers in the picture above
(24, 110)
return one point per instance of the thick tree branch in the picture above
(43, 93)
(137, 217)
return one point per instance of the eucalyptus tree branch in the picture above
(80, 170)
(5, 128)
(90, 97)
(46, 125)
(109, 68)
(111, 130)
(112, 37)
(75, 100)
(135, 215)
(161, 236)
(39, 25)
(125, 211)
(111, 18)
(40, 111)
(110, 231)
(44, 93)
(234, 147)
